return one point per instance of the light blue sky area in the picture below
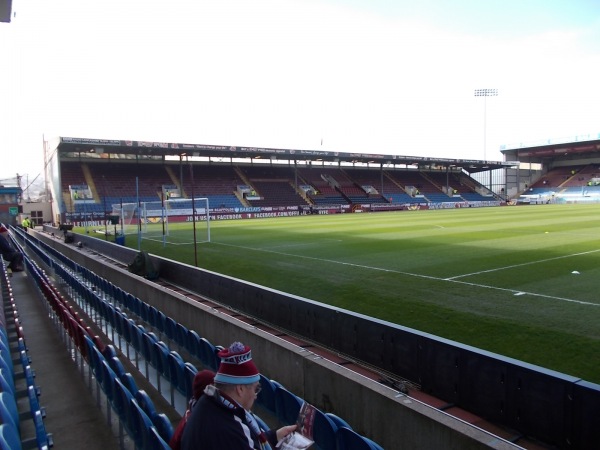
(488, 17)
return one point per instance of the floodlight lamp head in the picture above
(486, 92)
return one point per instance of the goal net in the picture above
(174, 221)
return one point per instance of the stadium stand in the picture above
(216, 182)
(230, 186)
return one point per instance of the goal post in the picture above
(175, 221)
(128, 214)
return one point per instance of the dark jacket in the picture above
(213, 426)
(9, 253)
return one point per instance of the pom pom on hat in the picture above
(236, 365)
(3, 229)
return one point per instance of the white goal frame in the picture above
(151, 219)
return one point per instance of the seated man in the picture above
(9, 253)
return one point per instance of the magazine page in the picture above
(302, 438)
(294, 441)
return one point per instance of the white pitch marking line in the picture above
(428, 277)
(522, 264)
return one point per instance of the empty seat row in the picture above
(21, 422)
(106, 369)
(135, 410)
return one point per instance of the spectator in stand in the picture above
(201, 380)
(25, 223)
(221, 419)
(9, 253)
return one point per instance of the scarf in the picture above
(250, 420)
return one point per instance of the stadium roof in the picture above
(147, 148)
(587, 146)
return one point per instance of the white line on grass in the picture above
(306, 244)
(497, 269)
(417, 275)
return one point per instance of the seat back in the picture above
(266, 396)
(9, 413)
(177, 373)
(145, 402)
(350, 440)
(208, 355)
(156, 442)
(287, 405)
(163, 425)
(140, 425)
(9, 437)
(324, 431)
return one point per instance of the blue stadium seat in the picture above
(140, 426)
(324, 431)
(109, 351)
(148, 340)
(145, 312)
(119, 319)
(116, 365)
(338, 420)
(193, 343)
(9, 413)
(95, 360)
(155, 441)
(181, 335)
(108, 380)
(137, 339)
(135, 305)
(145, 402)
(350, 440)
(128, 325)
(6, 361)
(129, 382)
(9, 437)
(34, 403)
(190, 372)
(129, 301)
(122, 402)
(6, 385)
(153, 319)
(43, 439)
(163, 425)
(170, 328)
(177, 373)
(208, 355)
(161, 322)
(266, 396)
(160, 360)
(287, 405)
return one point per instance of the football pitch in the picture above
(523, 282)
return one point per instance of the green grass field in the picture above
(518, 281)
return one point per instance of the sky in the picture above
(371, 76)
